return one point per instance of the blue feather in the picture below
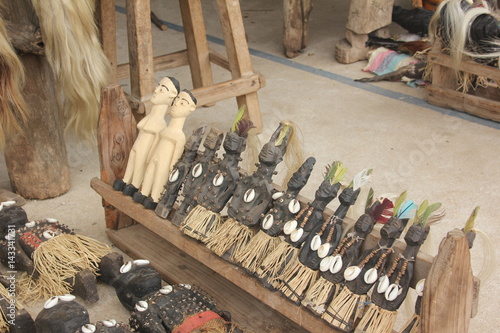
(406, 210)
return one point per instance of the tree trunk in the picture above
(37, 161)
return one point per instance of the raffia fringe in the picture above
(414, 323)
(272, 265)
(318, 295)
(231, 234)
(4, 325)
(252, 255)
(57, 260)
(344, 309)
(295, 285)
(201, 223)
(376, 320)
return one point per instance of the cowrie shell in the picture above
(174, 175)
(289, 227)
(197, 170)
(249, 195)
(371, 276)
(51, 220)
(383, 284)
(126, 267)
(267, 222)
(323, 250)
(67, 297)
(277, 195)
(218, 179)
(336, 264)
(316, 242)
(30, 224)
(141, 306)
(325, 263)
(294, 206)
(10, 237)
(48, 234)
(8, 203)
(51, 302)
(141, 262)
(185, 285)
(296, 234)
(165, 290)
(351, 273)
(419, 288)
(109, 323)
(392, 292)
(1, 206)
(88, 328)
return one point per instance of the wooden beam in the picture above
(160, 63)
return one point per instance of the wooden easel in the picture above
(244, 83)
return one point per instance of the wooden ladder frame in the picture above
(142, 65)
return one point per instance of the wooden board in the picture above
(175, 266)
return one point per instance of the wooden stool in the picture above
(142, 66)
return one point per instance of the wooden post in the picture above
(447, 302)
(37, 161)
(140, 48)
(106, 19)
(295, 25)
(238, 54)
(117, 132)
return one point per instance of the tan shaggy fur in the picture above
(77, 59)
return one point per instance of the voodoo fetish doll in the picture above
(321, 243)
(252, 198)
(180, 308)
(179, 174)
(13, 316)
(195, 176)
(296, 230)
(393, 285)
(333, 266)
(218, 185)
(285, 206)
(51, 255)
(363, 273)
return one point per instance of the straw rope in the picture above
(259, 247)
(201, 223)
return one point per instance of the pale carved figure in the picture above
(149, 128)
(168, 150)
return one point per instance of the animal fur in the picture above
(13, 108)
(75, 54)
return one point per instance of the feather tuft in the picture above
(407, 209)
(335, 172)
(361, 179)
(469, 226)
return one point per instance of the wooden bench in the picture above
(181, 259)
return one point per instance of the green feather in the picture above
(369, 198)
(471, 221)
(239, 116)
(399, 202)
(283, 133)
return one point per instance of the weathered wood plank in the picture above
(106, 21)
(117, 133)
(160, 63)
(295, 25)
(196, 42)
(447, 300)
(140, 46)
(238, 55)
(177, 267)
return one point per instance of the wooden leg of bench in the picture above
(106, 17)
(238, 54)
(196, 42)
(140, 44)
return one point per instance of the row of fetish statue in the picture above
(46, 260)
(291, 247)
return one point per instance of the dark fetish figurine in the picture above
(251, 198)
(218, 185)
(361, 276)
(179, 173)
(285, 206)
(195, 177)
(180, 308)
